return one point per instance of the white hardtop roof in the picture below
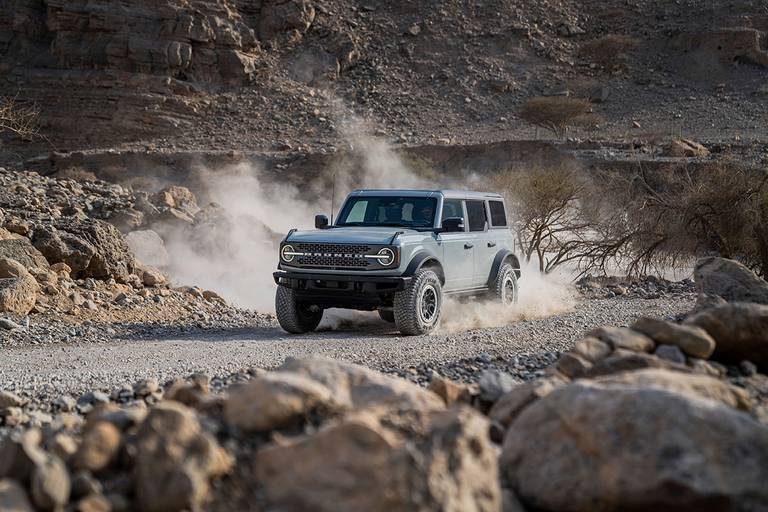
(451, 194)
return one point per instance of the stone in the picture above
(635, 448)
(277, 400)
(8, 399)
(84, 483)
(572, 365)
(50, 485)
(280, 16)
(692, 340)
(690, 384)
(148, 247)
(627, 360)
(94, 503)
(620, 337)
(13, 497)
(591, 349)
(18, 289)
(63, 446)
(451, 392)
(22, 250)
(175, 460)
(506, 409)
(670, 353)
(740, 331)
(146, 387)
(685, 148)
(9, 325)
(65, 403)
(431, 460)
(151, 276)
(729, 280)
(359, 387)
(493, 384)
(20, 452)
(98, 448)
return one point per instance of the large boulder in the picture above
(91, 248)
(740, 331)
(277, 400)
(18, 289)
(360, 387)
(730, 280)
(278, 16)
(175, 460)
(22, 250)
(614, 447)
(435, 460)
(692, 340)
(148, 247)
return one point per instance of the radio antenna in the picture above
(333, 194)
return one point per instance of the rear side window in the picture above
(476, 215)
(498, 216)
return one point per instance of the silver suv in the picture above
(399, 252)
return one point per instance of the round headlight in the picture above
(387, 256)
(286, 253)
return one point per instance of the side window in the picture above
(498, 216)
(452, 208)
(357, 213)
(476, 215)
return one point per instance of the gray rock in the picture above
(8, 324)
(13, 497)
(494, 384)
(670, 353)
(730, 280)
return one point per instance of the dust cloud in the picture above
(234, 250)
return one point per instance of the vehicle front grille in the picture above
(333, 255)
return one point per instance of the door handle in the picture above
(491, 244)
(468, 246)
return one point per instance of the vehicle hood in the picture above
(349, 235)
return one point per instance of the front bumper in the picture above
(342, 290)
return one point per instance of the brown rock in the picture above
(151, 276)
(620, 337)
(8, 399)
(692, 340)
(20, 452)
(277, 400)
(451, 392)
(18, 289)
(740, 331)
(13, 497)
(50, 485)
(22, 250)
(634, 448)
(386, 463)
(688, 384)
(98, 448)
(685, 148)
(592, 349)
(627, 360)
(361, 387)
(175, 460)
(63, 446)
(572, 365)
(94, 503)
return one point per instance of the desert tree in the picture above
(554, 113)
(17, 118)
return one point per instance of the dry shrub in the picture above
(554, 113)
(609, 51)
(18, 118)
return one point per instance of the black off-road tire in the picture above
(387, 315)
(505, 282)
(412, 304)
(294, 317)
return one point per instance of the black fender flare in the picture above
(421, 259)
(502, 256)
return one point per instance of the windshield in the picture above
(411, 212)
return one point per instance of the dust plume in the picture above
(540, 295)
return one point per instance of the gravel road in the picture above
(47, 372)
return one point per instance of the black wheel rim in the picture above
(429, 304)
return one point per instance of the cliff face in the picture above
(202, 41)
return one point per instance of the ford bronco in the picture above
(399, 252)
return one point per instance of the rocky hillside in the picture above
(282, 75)
(660, 415)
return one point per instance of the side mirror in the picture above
(321, 222)
(452, 225)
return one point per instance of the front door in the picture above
(458, 250)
